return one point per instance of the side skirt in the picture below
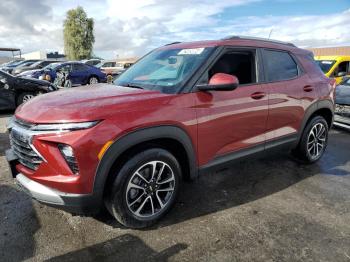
(286, 143)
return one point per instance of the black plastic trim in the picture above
(286, 142)
(137, 137)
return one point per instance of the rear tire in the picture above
(145, 188)
(313, 141)
(93, 80)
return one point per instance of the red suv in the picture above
(183, 109)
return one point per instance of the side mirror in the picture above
(340, 74)
(220, 82)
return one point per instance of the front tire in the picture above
(24, 97)
(314, 140)
(145, 188)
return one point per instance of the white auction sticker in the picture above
(191, 51)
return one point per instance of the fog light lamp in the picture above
(68, 154)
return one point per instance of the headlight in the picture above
(64, 126)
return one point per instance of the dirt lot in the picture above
(263, 210)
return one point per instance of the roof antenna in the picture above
(270, 33)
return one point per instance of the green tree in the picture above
(78, 34)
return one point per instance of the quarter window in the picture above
(279, 66)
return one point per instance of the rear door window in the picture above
(80, 67)
(279, 66)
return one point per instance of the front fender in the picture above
(137, 137)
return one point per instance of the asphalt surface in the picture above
(273, 209)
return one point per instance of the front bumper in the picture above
(75, 203)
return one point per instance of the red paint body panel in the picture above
(217, 122)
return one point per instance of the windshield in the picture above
(325, 65)
(36, 64)
(165, 70)
(51, 66)
(25, 64)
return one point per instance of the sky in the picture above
(133, 27)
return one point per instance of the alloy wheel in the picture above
(93, 80)
(150, 189)
(27, 97)
(317, 140)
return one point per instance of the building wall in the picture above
(324, 51)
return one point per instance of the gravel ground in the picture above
(272, 209)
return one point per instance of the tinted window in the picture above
(240, 64)
(279, 66)
(325, 65)
(80, 67)
(65, 67)
(109, 64)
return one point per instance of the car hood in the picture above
(29, 72)
(34, 81)
(85, 103)
(23, 68)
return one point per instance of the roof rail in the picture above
(257, 39)
(173, 43)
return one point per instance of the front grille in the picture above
(20, 143)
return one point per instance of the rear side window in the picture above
(80, 67)
(279, 66)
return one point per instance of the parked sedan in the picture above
(17, 90)
(36, 65)
(79, 73)
(342, 110)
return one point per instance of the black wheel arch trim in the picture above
(136, 137)
(319, 105)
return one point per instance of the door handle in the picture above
(308, 88)
(258, 95)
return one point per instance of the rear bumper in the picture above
(74, 203)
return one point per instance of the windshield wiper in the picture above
(133, 86)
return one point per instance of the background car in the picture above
(11, 62)
(342, 95)
(342, 109)
(17, 90)
(36, 65)
(36, 73)
(9, 68)
(114, 68)
(78, 73)
(334, 66)
(92, 62)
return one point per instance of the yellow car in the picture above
(334, 66)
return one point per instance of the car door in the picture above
(79, 74)
(287, 86)
(232, 121)
(7, 96)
